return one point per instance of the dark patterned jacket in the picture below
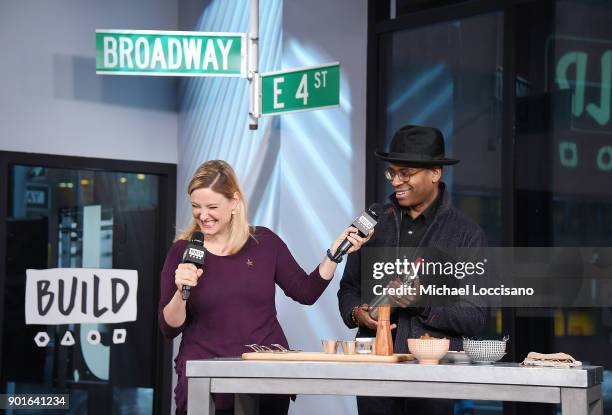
(450, 228)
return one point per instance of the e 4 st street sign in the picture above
(300, 89)
(170, 53)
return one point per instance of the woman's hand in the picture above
(353, 237)
(175, 310)
(328, 267)
(187, 274)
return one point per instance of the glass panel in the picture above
(62, 218)
(449, 76)
(411, 6)
(564, 161)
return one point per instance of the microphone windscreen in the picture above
(197, 238)
(376, 209)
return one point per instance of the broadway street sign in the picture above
(164, 53)
(300, 89)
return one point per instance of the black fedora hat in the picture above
(418, 146)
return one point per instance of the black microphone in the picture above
(194, 254)
(364, 223)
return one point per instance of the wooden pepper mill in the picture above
(384, 341)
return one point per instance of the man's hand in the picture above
(363, 318)
(405, 300)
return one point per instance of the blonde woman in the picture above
(232, 295)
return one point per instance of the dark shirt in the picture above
(233, 303)
(412, 230)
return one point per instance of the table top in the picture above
(497, 373)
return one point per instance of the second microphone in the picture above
(364, 223)
(194, 254)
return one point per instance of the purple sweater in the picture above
(233, 303)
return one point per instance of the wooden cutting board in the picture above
(324, 357)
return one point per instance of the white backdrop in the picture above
(304, 173)
(51, 98)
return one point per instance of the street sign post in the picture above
(300, 89)
(170, 53)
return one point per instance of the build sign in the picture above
(80, 295)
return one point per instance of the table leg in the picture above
(579, 401)
(245, 404)
(199, 399)
(596, 407)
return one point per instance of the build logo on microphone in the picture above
(196, 254)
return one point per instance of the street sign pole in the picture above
(178, 53)
(253, 73)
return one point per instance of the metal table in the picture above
(578, 390)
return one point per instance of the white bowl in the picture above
(428, 351)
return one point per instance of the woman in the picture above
(232, 296)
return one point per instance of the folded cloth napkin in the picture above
(550, 360)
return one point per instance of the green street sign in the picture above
(300, 89)
(169, 53)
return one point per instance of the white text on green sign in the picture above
(167, 53)
(300, 89)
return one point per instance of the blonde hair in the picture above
(219, 176)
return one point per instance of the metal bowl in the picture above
(485, 351)
(457, 357)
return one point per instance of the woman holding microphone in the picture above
(232, 295)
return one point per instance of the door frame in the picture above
(166, 172)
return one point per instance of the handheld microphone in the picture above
(365, 222)
(194, 254)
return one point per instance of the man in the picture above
(419, 214)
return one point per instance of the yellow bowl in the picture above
(428, 351)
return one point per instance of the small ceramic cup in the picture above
(365, 345)
(349, 346)
(330, 346)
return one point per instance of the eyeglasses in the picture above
(403, 174)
